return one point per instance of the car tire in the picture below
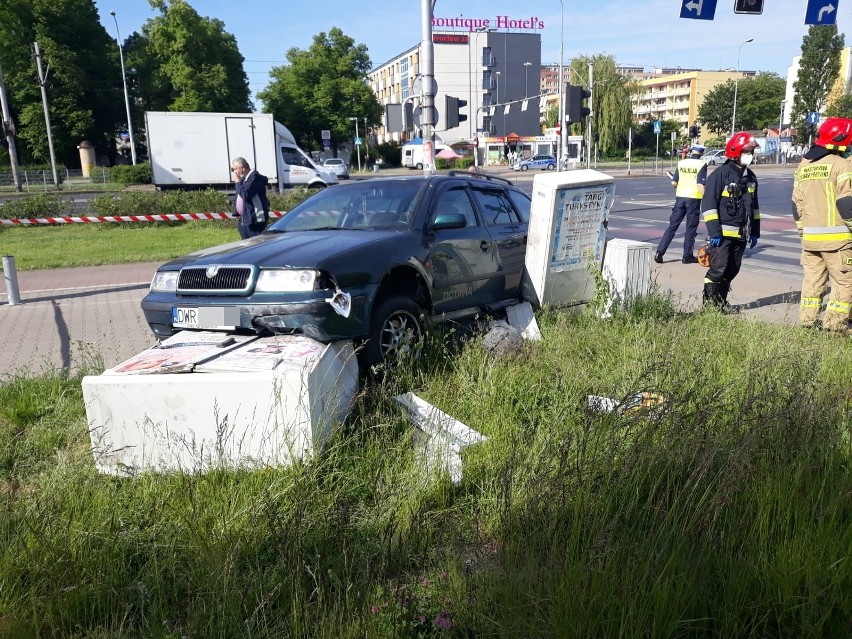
(551, 167)
(395, 328)
(419, 166)
(524, 167)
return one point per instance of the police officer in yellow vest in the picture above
(688, 179)
(822, 209)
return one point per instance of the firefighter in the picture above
(822, 209)
(688, 179)
(732, 216)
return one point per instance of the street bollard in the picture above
(11, 277)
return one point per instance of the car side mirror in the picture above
(449, 221)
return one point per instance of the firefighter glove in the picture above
(716, 241)
(753, 242)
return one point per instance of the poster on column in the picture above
(566, 236)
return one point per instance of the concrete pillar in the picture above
(87, 157)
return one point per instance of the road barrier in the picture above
(106, 219)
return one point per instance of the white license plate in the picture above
(211, 317)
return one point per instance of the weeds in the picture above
(724, 511)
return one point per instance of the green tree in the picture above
(612, 98)
(841, 106)
(322, 88)
(759, 101)
(819, 67)
(717, 108)
(83, 77)
(185, 62)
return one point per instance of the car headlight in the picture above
(164, 282)
(285, 280)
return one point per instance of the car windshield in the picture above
(370, 204)
(329, 162)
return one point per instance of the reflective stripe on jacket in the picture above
(730, 206)
(822, 203)
(687, 178)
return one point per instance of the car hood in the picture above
(299, 249)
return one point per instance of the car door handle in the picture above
(484, 245)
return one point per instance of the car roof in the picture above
(333, 161)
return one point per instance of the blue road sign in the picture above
(813, 117)
(658, 126)
(698, 9)
(821, 12)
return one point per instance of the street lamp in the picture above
(366, 143)
(357, 146)
(563, 134)
(126, 98)
(736, 82)
(526, 83)
(780, 124)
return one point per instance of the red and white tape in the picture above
(100, 219)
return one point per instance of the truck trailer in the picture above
(194, 150)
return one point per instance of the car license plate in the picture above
(211, 317)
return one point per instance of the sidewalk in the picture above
(68, 316)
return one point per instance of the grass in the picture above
(100, 244)
(725, 512)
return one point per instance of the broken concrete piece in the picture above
(445, 436)
(521, 317)
(502, 339)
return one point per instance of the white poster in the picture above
(580, 229)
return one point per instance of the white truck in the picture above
(412, 153)
(191, 150)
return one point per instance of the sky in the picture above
(646, 33)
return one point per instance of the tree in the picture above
(759, 100)
(185, 62)
(322, 88)
(841, 106)
(611, 109)
(717, 108)
(83, 82)
(819, 67)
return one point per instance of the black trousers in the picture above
(684, 207)
(250, 230)
(725, 262)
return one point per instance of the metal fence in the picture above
(33, 180)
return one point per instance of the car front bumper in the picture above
(302, 313)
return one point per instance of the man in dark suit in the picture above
(252, 204)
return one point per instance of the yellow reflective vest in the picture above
(687, 178)
(822, 203)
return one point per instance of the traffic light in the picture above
(694, 131)
(753, 7)
(574, 109)
(451, 111)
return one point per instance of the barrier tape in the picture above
(100, 219)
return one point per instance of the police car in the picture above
(543, 162)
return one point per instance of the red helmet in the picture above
(835, 134)
(738, 143)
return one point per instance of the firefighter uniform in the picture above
(689, 179)
(822, 209)
(731, 211)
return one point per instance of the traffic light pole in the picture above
(427, 57)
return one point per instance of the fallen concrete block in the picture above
(521, 317)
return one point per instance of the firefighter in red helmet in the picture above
(732, 216)
(822, 209)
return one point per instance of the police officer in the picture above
(688, 180)
(822, 209)
(732, 216)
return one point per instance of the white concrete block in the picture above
(521, 316)
(193, 422)
(567, 231)
(627, 268)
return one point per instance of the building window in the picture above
(487, 100)
(487, 80)
(487, 58)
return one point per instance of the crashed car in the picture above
(369, 261)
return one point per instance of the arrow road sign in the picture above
(698, 9)
(658, 126)
(821, 12)
(813, 117)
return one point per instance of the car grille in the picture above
(227, 280)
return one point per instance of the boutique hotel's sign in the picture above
(500, 22)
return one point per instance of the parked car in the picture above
(403, 248)
(337, 167)
(714, 157)
(543, 162)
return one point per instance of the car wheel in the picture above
(524, 167)
(550, 167)
(395, 329)
(419, 166)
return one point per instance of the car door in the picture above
(464, 263)
(508, 230)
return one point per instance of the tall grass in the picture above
(723, 512)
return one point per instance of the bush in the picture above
(442, 165)
(37, 205)
(290, 198)
(154, 203)
(131, 174)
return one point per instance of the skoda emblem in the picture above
(211, 271)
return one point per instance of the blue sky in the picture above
(636, 32)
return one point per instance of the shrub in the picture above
(442, 165)
(290, 198)
(131, 174)
(154, 203)
(37, 205)
(464, 163)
